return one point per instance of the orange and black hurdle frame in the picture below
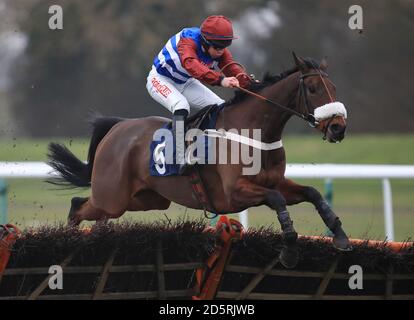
(209, 277)
(8, 235)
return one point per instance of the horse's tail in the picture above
(73, 172)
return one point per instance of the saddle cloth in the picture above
(206, 118)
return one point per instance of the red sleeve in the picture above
(233, 69)
(187, 49)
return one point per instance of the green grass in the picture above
(18, 149)
(357, 202)
(360, 149)
(368, 149)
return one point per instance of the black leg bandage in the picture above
(330, 219)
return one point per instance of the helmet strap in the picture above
(205, 44)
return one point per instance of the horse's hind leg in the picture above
(82, 209)
(295, 193)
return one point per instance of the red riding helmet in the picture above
(217, 31)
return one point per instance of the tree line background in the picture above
(101, 58)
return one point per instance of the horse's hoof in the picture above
(342, 244)
(289, 257)
(76, 204)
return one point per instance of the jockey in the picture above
(185, 64)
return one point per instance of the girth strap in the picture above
(200, 192)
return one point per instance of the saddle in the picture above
(202, 119)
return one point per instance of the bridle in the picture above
(304, 92)
(308, 115)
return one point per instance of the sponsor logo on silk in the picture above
(161, 88)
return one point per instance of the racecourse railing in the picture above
(14, 170)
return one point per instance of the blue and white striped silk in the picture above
(168, 62)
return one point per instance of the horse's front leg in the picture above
(248, 195)
(295, 193)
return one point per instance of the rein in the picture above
(308, 117)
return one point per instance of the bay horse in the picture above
(118, 160)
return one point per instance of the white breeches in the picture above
(174, 96)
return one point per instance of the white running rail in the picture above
(305, 171)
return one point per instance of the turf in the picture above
(368, 149)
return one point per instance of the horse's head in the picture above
(317, 97)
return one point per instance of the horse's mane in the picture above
(268, 80)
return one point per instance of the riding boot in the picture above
(178, 131)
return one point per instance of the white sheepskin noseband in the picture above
(329, 110)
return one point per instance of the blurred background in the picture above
(51, 81)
